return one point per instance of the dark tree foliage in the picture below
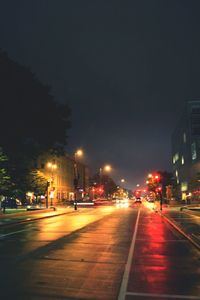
(106, 181)
(36, 182)
(4, 177)
(166, 179)
(194, 183)
(31, 121)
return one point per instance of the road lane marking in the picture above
(124, 284)
(162, 296)
(8, 234)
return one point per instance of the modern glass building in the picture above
(186, 148)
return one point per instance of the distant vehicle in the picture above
(11, 203)
(138, 200)
(150, 199)
(122, 201)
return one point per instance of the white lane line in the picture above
(7, 234)
(123, 288)
(160, 296)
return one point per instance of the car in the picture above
(138, 200)
(10, 203)
(121, 202)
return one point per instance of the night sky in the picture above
(125, 67)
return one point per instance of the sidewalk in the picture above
(27, 216)
(186, 219)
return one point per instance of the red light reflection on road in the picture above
(151, 269)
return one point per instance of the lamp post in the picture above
(106, 168)
(122, 187)
(78, 153)
(52, 167)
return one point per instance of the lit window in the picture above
(184, 137)
(194, 151)
(182, 160)
(175, 158)
(176, 174)
(184, 186)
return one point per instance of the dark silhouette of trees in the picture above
(166, 179)
(106, 181)
(4, 177)
(31, 122)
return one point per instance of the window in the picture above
(184, 186)
(193, 151)
(182, 160)
(184, 137)
(175, 158)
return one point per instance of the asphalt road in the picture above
(98, 253)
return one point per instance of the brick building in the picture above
(59, 172)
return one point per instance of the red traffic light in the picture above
(159, 189)
(157, 177)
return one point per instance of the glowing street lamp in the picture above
(52, 167)
(78, 153)
(106, 168)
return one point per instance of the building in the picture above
(186, 147)
(59, 172)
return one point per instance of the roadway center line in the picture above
(7, 234)
(124, 284)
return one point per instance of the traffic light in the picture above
(157, 177)
(158, 189)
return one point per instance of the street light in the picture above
(78, 153)
(52, 167)
(106, 168)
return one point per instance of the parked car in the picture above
(10, 203)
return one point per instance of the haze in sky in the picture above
(125, 67)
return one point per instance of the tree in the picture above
(194, 184)
(31, 121)
(36, 182)
(106, 181)
(158, 181)
(4, 177)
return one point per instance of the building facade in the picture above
(186, 147)
(59, 171)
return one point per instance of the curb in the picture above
(188, 237)
(23, 213)
(34, 219)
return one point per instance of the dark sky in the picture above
(125, 67)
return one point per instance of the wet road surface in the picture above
(163, 264)
(104, 253)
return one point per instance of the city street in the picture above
(98, 253)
